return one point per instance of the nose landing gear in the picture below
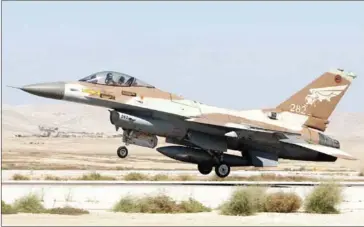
(122, 152)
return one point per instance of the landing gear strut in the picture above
(221, 169)
(122, 152)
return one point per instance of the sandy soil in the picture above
(100, 154)
(200, 219)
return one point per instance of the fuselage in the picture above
(153, 99)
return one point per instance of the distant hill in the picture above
(82, 118)
(67, 117)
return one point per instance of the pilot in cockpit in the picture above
(109, 79)
(121, 80)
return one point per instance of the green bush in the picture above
(67, 210)
(157, 204)
(323, 199)
(244, 201)
(7, 208)
(281, 202)
(29, 204)
(20, 177)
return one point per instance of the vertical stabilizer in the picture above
(319, 98)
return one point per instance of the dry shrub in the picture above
(20, 177)
(193, 206)
(7, 208)
(127, 205)
(281, 202)
(29, 204)
(324, 198)
(275, 177)
(136, 177)
(95, 176)
(160, 177)
(157, 204)
(263, 177)
(216, 178)
(244, 202)
(50, 177)
(67, 210)
(184, 177)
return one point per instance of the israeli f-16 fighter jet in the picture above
(202, 134)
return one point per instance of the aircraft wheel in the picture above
(122, 152)
(204, 169)
(222, 170)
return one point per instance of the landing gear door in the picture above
(186, 107)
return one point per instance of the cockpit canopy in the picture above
(115, 79)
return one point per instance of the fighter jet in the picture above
(202, 134)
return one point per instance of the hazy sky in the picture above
(238, 55)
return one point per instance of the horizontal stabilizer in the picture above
(319, 148)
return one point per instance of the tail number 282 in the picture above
(301, 109)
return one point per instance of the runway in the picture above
(39, 174)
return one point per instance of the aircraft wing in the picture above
(241, 130)
(234, 130)
(319, 148)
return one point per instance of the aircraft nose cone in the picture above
(53, 90)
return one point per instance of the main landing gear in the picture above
(221, 169)
(122, 152)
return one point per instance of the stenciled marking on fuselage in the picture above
(91, 91)
(125, 117)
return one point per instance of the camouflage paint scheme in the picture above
(293, 130)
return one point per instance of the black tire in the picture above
(204, 169)
(222, 170)
(122, 152)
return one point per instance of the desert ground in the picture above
(100, 154)
(199, 219)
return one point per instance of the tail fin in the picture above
(319, 99)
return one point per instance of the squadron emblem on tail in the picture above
(321, 94)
